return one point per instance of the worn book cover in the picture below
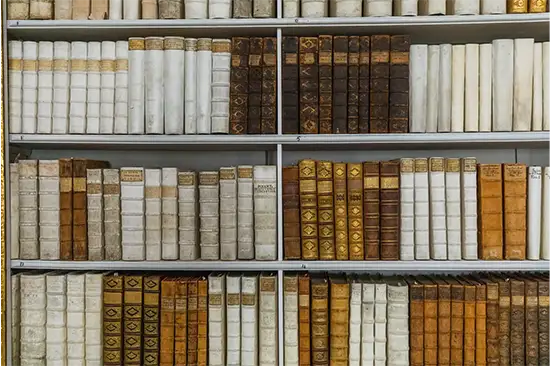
(325, 206)
(239, 87)
(308, 209)
(291, 213)
(371, 208)
(309, 85)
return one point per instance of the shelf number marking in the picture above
(298, 138)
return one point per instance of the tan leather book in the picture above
(416, 322)
(291, 213)
(202, 335)
(457, 321)
(481, 322)
(443, 322)
(304, 319)
(180, 314)
(133, 315)
(355, 211)
(325, 211)
(341, 211)
(339, 321)
(389, 210)
(517, 322)
(66, 208)
(430, 321)
(469, 323)
(308, 209)
(167, 320)
(151, 310)
(320, 341)
(504, 318)
(531, 322)
(515, 211)
(490, 214)
(192, 320)
(492, 322)
(113, 292)
(371, 208)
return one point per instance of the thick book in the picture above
(399, 84)
(113, 292)
(437, 209)
(469, 323)
(353, 84)
(389, 210)
(187, 215)
(325, 84)
(221, 84)
(354, 344)
(267, 307)
(56, 320)
(269, 86)
(355, 211)
(480, 322)
(132, 203)
(320, 335)
(339, 321)
(398, 321)
(180, 322)
(531, 322)
(457, 321)
(291, 325)
(133, 317)
(228, 213)
(239, 88)
(167, 321)
(265, 212)
(304, 319)
(379, 83)
(48, 218)
(371, 209)
(416, 319)
(255, 86)
(380, 321)
(430, 321)
(367, 321)
(340, 211)
(151, 317)
(111, 214)
(94, 191)
(309, 85)
(29, 247)
(504, 309)
(192, 320)
(308, 209)
(233, 326)
(406, 188)
(290, 87)
(443, 321)
(14, 211)
(250, 319)
(364, 84)
(543, 319)
(33, 319)
(325, 210)
(216, 319)
(490, 214)
(209, 215)
(16, 318)
(492, 320)
(534, 211)
(291, 213)
(515, 211)
(340, 85)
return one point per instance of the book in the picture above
(364, 84)
(245, 212)
(192, 320)
(354, 345)
(174, 82)
(398, 321)
(339, 320)
(537, 117)
(371, 209)
(204, 87)
(133, 316)
(94, 317)
(94, 192)
(443, 321)
(308, 209)
(219, 10)
(340, 211)
(430, 321)
(28, 209)
(543, 316)
(471, 88)
(29, 87)
(421, 209)
(353, 84)
(93, 88)
(15, 80)
(457, 321)
(267, 307)
(523, 84)
(265, 212)
(325, 84)
(480, 322)
(531, 322)
(269, 86)
(517, 322)
(16, 318)
(167, 321)
(255, 86)
(380, 321)
(132, 197)
(56, 320)
(239, 88)
(76, 318)
(249, 319)
(216, 319)
(65, 208)
(151, 317)
(111, 214)
(33, 318)
(49, 209)
(320, 334)
(406, 188)
(490, 211)
(399, 83)
(469, 208)
(458, 71)
(340, 84)
(121, 87)
(169, 197)
(291, 213)
(389, 210)
(233, 325)
(263, 9)
(445, 87)
(113, 292)
(202, 310)
(325, 211)
(545, 235)
(304, 321)
(437, 209)
(190, 88)
(355, 211)
(503, 89)
(153, 212)
(504, 319)
(290, 86)
(309, 85)
(187, 215)
(416, 319)
(209, 215)
(469, 322)
(242, 9)
(453, 212)
(434, 56)
(515, 210)
(228, 213)
(78, 87)
(485, 86)
(45, 87)
(136, 85)
(154, 88)
(534, 212)
(379, 83)
(419, 89)
(180, 321)
(367, 321)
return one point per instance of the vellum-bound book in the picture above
(33, 318)
(190, 90)
(30, 87)
(56, 318)
(209, 215)
(121, 88)
(18, 9)
(94, 191)
(61, 89)
(458, 69)
(291, 8)
(433, 104)
(204, 85)
(249, 325)
(493, 6)
(154, 87)
(242, 9)
(170, 9)
(405, 7)
(537, 88)
(169, 213)
(153, 219)
(453, 204)
(367, 323)
(348, 8)
(377, 8)
(471, 88)
(438, 224)
(45, 87)
(132, 9)
(76, 318)
(380, 322)
(314, 8)
(63, 9)
(398, 322)
(534, 212)
(132, 202)
(79, 82)
(264, 9)
(111, 214)
(93, 88)
(523, 83)
(465, 7)
(445, 90)
(432, 7)
(418, 84)
(546, 86)
(245, 212)
(268, 320)
(485, 86)
(233, 330)
(407, 203)
(41, 9)
(219, 9)
(187, 214)
(49, 209)
(291, 343)
(136, 86)
(216, 320)
(14, 211)
(16, 319)
(355, 324)
(503, 89)
(94, 318)
(108, 87)
(221, 66)
(196, 9)
(228, 213)
(15, 84)
(28, 209)
(545, 236)
(174, 84)
(265, 212)
(421, 209)
(469, 208)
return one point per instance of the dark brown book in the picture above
(151, 316)
(416, 322)
(493, 314)
(379, 83)
(517, 322)
(291, 83)
(457, 321)
(364, 83)
(192, 320)
(504, 319)
(399, 83)
(133, 314)
(320, 337)
(238, 91)
(353, 84)
(325, 210)
(544, 304)
(309, 85)
(371, 208)
(325, 84)
(304, 319)
(531, 322)
(340, 85)
(389, 210)
(255, 86)
(291, 212)
(113, 292)
(66, 208)
(269, 86)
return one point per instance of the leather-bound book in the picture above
(339, 321)
(113, 290)
(492, 322)
(340, 211)
(416, 321)
(399, 83)
(238, 91)
(517, 322)
(443, 322)
(469, 323)
(291, 212)
(353, 84)
(133, 314)
(325, 210)
(389, 210)
(192, 320)
(151, 312)
(202, 315)
(291, 80)
(371, 208)
(325, 84)
(308, 209)
(504, 319)
(180, 323)
(355, 211)
(320, 339)
(430, 321)
(457, 321)
(340, 85)
(544, 294)
(167, 320)
(490, 211)
(481, 323)
(379, 83)
(364, 83)
(309, 85)
(304, 320)
(515, 211)
(269, 86)
(66, 208)
(255, 86)
(531, 322)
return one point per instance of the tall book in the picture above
(304, 320)
(545, 235)
(543, 319)
(268, 321)
(503, 88)
(45, 87)
(78, 87)
(492, 321)
(504, 319)
(353, 84)
(132, 203)
(364, 84)
(354, 345)
(169, 196)
(490, 211)
(30, 86)
(33, 318)
(453, 209)
(228, 213)
(93, 88)
(389, 210)
(320, 334)
(291, 213)
(151, 316)
(437, 209)
(28, 210)
(113, 292)
(308, 209)
(517, 322)
(133, 316)
(399, 84)
(421, 209)
(209, 215)
(515, 210)
(121, 88)
(221, 78)
(355, 211)
(371, 209)
(16, 318)
(15, 80)
(202, 310)
(430, 321)
(379, 83)
(56, 319)
(94, 191)
(153, 218)
(245, 212)
(192, 320)
(309, 85)
(216, 319)
(136, 85)
(531, 322)
(340, 211)
(76, 318)
(367, 322)
(340, 85)
(249, 314)
(380, 321)
(469, 208)
(469, 322)
(180, 322)
(480, 322)
(265, 212)
(108, 85)
(443, 321)
(339, 320)
(290, 87)
(49, 212)
(111, 214)
(534, 213)
(416, 318)
(14, 211)
(167, 321)
(190, 88)
(291, 337)
(187, 216)
(406, 188)
(457, 321)
(154, 84)
(398, 321)
(325, 84)
(255, 86)
(239, 89)
(233, 326)
(94, 318)
(325, 205)
(269, 86)
(65, 208)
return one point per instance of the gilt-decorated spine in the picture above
(269, 86)
(304, 320)
(325, 210)
(113, 292)
(132, 202)
(290, 87)
(364, 84)
(168, 288)
(355, 211)
(399, 84)
(515, 210)
(325, 84)
(308, 210)
(531, 322)
(353, 84)
(239, 87)
(151, 316)
(371, 209)
(339, 321)
(416, 316)
(133, 314)
(340, 211)
(255, 86)
(320, 334)
(309, 85)
(389, 210)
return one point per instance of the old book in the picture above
(469, 323)
(398, 321)
(14, 211)
(371, 209)
(353, 84)
(418, 89)
(233, 326)
(167, 321)
(304, 320)
(154, 88)
(245, 212)
(537, 117)
(265, 212)
(111, 214)
(406, 188)
(269, 86)
(309, 85)
(379, 84)
(78, 87)
(190, 88)
(469, 208)
(228, 213)
(503, 90)
(94, 191)
(443, 321)
(239, 89)
(314, 8)
(99, 9)
(133, 315)
(490, 211)
(437, 209)
(421, 209)
(355, 211)
(364, 84)
(480, 315)
(80, 9)
(268, 321)
(492, 322)
(93, 88)
(209, 215)
(430, 321)
(153, 212)
(416, 319)
(16, 318)
(79, 202)
(202, 334)
(291, 325)
(504, 319)
(132, 203)
(33, 318)
(367, 321)
(169, 213)
(325, 84)
(531, 322)
(458, 70)
(113, 292)
(325, 204)
(354, 345)
(406, 7)
(517, 322)
(291, 9)
(515, 210)
(340, 85)
(151, 317)
(399, 84)
(136, 85)
(291, 213)
(180, 322)
(471, 88)
(534, 213)
(457, 321)
(94, 317)
(18, 10)
(216, 319)
(56, 319)
(344, 8)
(263, 9)
(485, 86)
(543, 320)
(308, 209)
(174, 83)
(320, 335)
(76, 318)
(523, 84)
(187, 215)
(453, 211)
(375, 8)
(28, 210)
(250, 319)
(30, 87)
(545, 85)
(545, 235)
(219, 9)
(339, 321)
(121, 87)
(15, 80)
(389, 210)
(290, 87)
(242, 9)
(108, 85)
(445, 87)
(49, 203)
(340, 211)
(196, 9)
(255, 86)
(192, 320)
(45, 87)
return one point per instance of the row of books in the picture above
(131, 87)
(144, 320)
(77, 209)
(139, 9)
(416, 209)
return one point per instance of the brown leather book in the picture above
(304, 319)
(255, 86)
(469, 323)
(515, 211)
(269, 86)
(133, 315)
(371, 208)
(192, 320)
(180, 325)
(517, 322)
(309, 85)
(341, 211)
(489, 191)
(355, 211)
(308, 209)
(202, 310)
(364, 83)
(151, 310)
(493, 314)
(353, 84)
(399, 83)
(531, 322)
(339, 321)
(113, 292)
(504, 319)
(389, 210)
(443, 322)
(430, 321)
(544, 305)
(481, 323)
(340, 85)
(291, 212)
(325, 212)
(379, 83)
(167, 320)
(457, 321)
(291, 80)
(319, 322)
(66, 208)
(416, 322)
(325, 84)
(238, 91)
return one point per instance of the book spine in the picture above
(308, 209)
(228, 213)
(485, 86)
(28, 210)
(443, 323)
(56, 323)
(30, 87)
(353, 84)
(531, 323)
(503, 89)
(406, 188)
(534, 213)
(340, 85)
(264, 9)
(267, 344)
(99, 9)
(245, 212)
(115, 9)
(437, 209)
(291, 214)
(434, 54)
(523, 84)
(493, 7)
(454, 213)
(132, 202)
(379, 84)
(290, 87)
(469, 324)
(187, 216)
(421, 209)
(219, 9)
(151, 316)
(111, 214)
(180, 322)
(80, 239)
(94, 318)
(121, 88)
(398, 322)
(93, 88)
(537, 6)
(490, 211)
(255, 86)
(192, 321)
(174, 85)
(314, 8)
(430, 324)
(304, 320)
(94, 191)
(399, 84)
(537, 88)
(419, 89)
(209, 215)
(78, 87)
(339, 321)
(45, 87)
(371, 209)
(133, 315)
(80, 9)
(471, 88)
(545, 235)
(320, 335)
(131, 9)
(154, 91)
(291, 9)
(49, 212)
(325, 205)
(457, 324)
(108, 87)
(242, 9)
(416, 304)
(367, 324)
(167, 321)
(493, 357)
(15, 82)
(354, 345)
(380, 322)
(406, 7)
(458, 70)
(76, 318)
(515, 210)
(374, 8)
(265, 212)
(466, 7)
(445, 88)
(168, 9)
(389, 210)
(355, 211)
(325, 84)
(169, 217)
(309, 85)
(249, 314)
(65, 208)
(233, 330)
(515, 7)
(239, 89)
(269, 86)
(216, 320)
(546, 85)
(190, 89)
(204, 85)
(468, 208)
(481, 324)
(517, 322)
(113, 292)
(14, 211)
(136, 86)
(221, 75)
(196, 9)
(340, 211)
(543, 321)
(347, 8)
(364, 84)
(18, 10)
(504, 320)
(16, 319)
(33, 318)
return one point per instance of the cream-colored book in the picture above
(209, 215)
(79, 85)
(367, 323)
(131, 9)
(458, 69)
(398, 322)
(40, 9)
(523, 84)
(377, 8)
(221, 67)
(380, 322)
(493, 6)
(93, 88)
(14, 211)
(503, 87)
(264, 9)
(149, 9)
(56, 318)
(132, 202)
(233, 330)
(471, 88)
(76, 318)
(421, 210)
(432, 7)
(291, 335)
(268, 320)
(219, 9)
(245, 212)
(111, 214)
(174, 85)
(348, 8)
(96, 244)
(534, 212)
(537, 88)
(291, 9)
(545, 236)
(196, 9)
(265, 212)
(33, 318)
(438, 219)
(94, 318)
(15, 85)
(49, 209)
(190, 90)
(170, 248)
(30, 87)
(418, 85)
(445, 88)
(355, 324)
(469, 208)
(249, 325)
(314, 8)
(154, 87)
(465, 7)
(204, 85)
(187, 214)
(453, 204)
(216, 319)
(153, 218)
(108, 87)
(121, 88)
(433, 88)
(136, 86)
(228, 213)
(546, 86)
(485, 86)
(406, 182)
(61, 87)
(28, 209)
(405, 7)
(45, 87)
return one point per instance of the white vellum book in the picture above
(115, 9)
(76, 318)
(493, 6)
(406, 187)
(209, 215)
(61, 90)
(190, 77)
(263, 9)
(93, 101)
(405, 7)
(268, 320)
(380, 323)
(421, 210)
(136, 86)
(545, 237)
(485, 86)
(453, 205)
(16, 317)
(49, 209)
(228, 213)
(438, 219)
(466, 7)
(63, 9)
(204, 85)
(433, 88)
(132, 202)
(219, 9)
(187, 214)
(216, 320)
(196, 9)
(233, 327)
(469, 208)
(523, 83)
(265, 212)
(314, 8)
(111, 214)
(15, 84)
(94, 318)
(398, 323)
(170, 247)
(108, 86)
(96, 245)
(503, 88)
(131, 9)
(45, 87)
(28, 209)
(56, 324)
(14, 211)
(30, 87)
(243, 8)
(291, 322)
(445, 88)
(546, 86)
(432, 7)
(79, 84)
(221, 70)
(355, 324)
(367, 324)
(245, 212)
(249, 318)
(33, 318)
(377, 8)
(348, 8)
(458, 68)
(154, 85)
(471, 88)
(174, 85)
(418, 86)
(153, 218)
(121, 88)
(291, 9)
(537, 88)
(534, 212)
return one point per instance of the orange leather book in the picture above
(151, 310)
(341, 211)
(291, 213)
(489, 191)
(389, 210)
(430, 321)
(133, 311)
(325, 205)
(493, 314)
(308, 209)
(481, 322)
(517, 322)
(66, 208)
(113, 292)
(469, 323)
(355, 211)
(531, 322)
(304, 319)
(180, 332)
(202, 335)
(320, 340)
(515, 211)
(416, 321)
(457, 321)
(443, 322)
(167, 321)
(192, 320)
(339, 321)
(371, 208)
